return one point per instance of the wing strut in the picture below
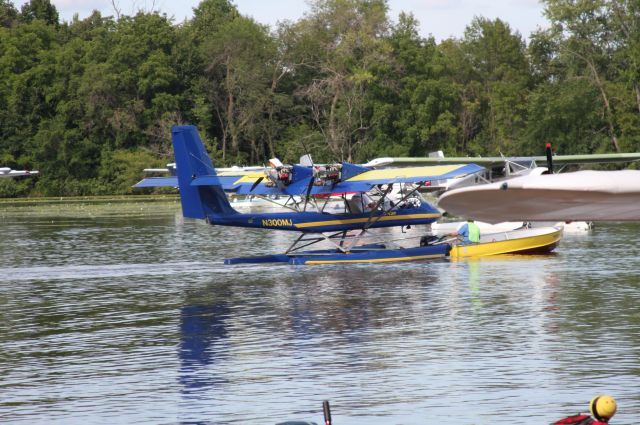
(371, 222)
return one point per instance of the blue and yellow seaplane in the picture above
(364, 192)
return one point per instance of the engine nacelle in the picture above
(327, 173)
(281, 175)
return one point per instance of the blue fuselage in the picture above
(315, 222)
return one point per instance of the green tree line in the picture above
(90, 102)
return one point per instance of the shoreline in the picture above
(92, 200)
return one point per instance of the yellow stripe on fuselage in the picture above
(375, 260)
(250, 177)
(366, 219)
(393, 173)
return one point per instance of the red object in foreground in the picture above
(579, 420)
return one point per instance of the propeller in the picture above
(257, 182)
(312, 178)
(320, 174)
(310, 185)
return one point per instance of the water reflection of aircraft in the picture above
(202, 328)
(8, 172)
(364, 193)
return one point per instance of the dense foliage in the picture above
(91, 102)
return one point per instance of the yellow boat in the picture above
(538, 240)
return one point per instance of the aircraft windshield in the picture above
(384, 198)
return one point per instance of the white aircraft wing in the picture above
(580, 195)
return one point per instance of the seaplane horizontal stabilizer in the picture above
(158, 182)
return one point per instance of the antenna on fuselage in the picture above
(549, 159)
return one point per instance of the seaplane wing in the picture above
(414, 174)
(605, 158)
(8, 172)
(355, 178)
(361, 179)
(580, 195)
(494, 161)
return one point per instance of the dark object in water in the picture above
(327, 412)
(327, 417)
(428, 240)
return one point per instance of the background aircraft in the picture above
(501, 167)
(579, 196)
(543, 196)
(495, 162)
(8, 172)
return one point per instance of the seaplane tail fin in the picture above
(193, 162)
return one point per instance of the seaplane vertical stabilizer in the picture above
(192, 161)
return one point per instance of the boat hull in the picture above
(527, 241)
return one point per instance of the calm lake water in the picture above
(124, 314)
